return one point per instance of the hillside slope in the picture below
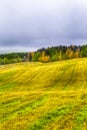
(51, 96)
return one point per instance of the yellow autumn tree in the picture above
(44, 58)
(60, 55)
(69, 53)
(27, 57)
(76, 54)
(32, 55)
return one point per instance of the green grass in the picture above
(50, 117)
(38, 96)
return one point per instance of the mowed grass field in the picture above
(38, 96)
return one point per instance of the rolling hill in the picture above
(48, 96)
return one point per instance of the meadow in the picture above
(44, 96)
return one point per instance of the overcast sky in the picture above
(32, 24)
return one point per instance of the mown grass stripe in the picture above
(71, 77)
(49, 117)
(25, 108)
(60, 75)
(9, 103)
(80, 118)
(68, 120)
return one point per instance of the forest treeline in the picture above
(45, 55)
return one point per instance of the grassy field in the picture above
(38, 96)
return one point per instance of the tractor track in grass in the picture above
(85, 76)
(71, 77)
(60, 75)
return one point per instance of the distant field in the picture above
(38, 96)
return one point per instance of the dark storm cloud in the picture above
(39, 23)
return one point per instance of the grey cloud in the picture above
(41, 23)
